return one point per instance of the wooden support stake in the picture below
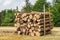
(44, 19)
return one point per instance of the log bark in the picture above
(33, 24)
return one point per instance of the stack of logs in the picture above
(33, 23)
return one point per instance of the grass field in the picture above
(55, 35)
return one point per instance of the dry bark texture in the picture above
(33, 23)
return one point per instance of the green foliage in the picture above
(57, 1)
(39, 5)
(9, 17)
(0, 18)
(56, 13)
(27, 8)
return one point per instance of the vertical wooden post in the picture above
(44, 19)
(17, 9)
(49, 14)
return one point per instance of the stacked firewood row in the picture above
(33, 23)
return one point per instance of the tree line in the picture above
(7, 16)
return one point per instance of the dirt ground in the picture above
(7, 33)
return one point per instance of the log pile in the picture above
(33, 23)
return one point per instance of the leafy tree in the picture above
(8, 18)
(27, 8)
(56, 13)
(57, 1)
(0, 18)
(39, 5)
